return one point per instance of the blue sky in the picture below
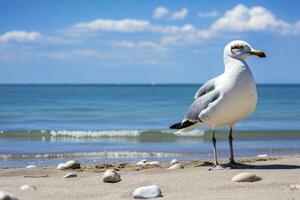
(137, 41)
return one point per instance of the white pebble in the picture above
(7, 196)
(295, 187)
(245, 177)
(72, 164)
(262, 156)
(174, 161)
(146, 192)
(27, 188)
(30, 166)
(142, 162)
(153, 163)
(111, 176)
(70, 175)
(176, 166)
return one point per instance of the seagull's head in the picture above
(241, 50)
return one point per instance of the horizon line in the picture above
(151, 83)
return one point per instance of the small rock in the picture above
(72, 164)
(262, 156)
(174, 161)
(111, 176)
(27, 188)
(142, 163)
(176, 166)
(295, 187)
(70, 175)
(147, 192)
(153, 163)
(7, 196)
(245, 177)
(30, 166)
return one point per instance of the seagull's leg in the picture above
(230, 139)
(216, 164)
(232, 163)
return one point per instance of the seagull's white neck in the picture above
(234, 65)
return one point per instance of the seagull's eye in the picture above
(236, 48)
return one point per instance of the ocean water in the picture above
(46, 124)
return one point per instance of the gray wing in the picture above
(200, 104)
(206, 88)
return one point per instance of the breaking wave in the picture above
(97, 134)
(102, 154)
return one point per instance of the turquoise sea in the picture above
(46, 124)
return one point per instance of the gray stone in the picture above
(245, 177)
(70, 175)
(294, 187)
(7, 196)
(147, 192)
(111, 176)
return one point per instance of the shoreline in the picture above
(192, 182)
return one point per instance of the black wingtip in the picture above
(182, 125)
(176, 126)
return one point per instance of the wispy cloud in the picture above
(124, 25)
(127, 26)
(155, 37)
(211, 14)
(124, 44)
(20, 36)
(163, 13)
(160, 12)
(138, 44)
(238, 20)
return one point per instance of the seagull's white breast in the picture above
(238, 97)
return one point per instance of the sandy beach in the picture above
(195, 181)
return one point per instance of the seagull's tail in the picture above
(184, 127)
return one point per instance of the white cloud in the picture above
(124, 43)
(143, 44)
(180, 14)
(210, 14)
(160, 12)
(124, 25)
(238, 19)
(72, 53)
(32, 37)
(20, 36)
(163, 13)
(128, 26)
(257, 18)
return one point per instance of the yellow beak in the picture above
(258, 53)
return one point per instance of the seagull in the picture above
(226, 99)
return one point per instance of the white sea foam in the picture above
(191, 133)
(98, 133)
(102, 154)
(116, 133)
(108, 133)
